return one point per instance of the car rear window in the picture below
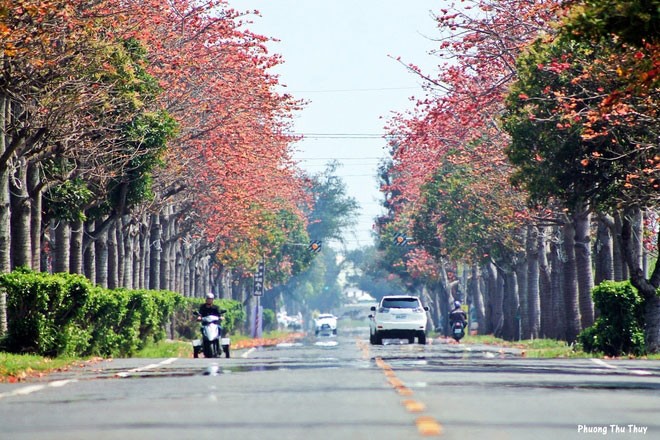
(400, 303)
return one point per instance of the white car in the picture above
(398, 317)
(325, 324)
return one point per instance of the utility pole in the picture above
(257, 292)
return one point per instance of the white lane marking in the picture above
(614, 367)
(146, 367)
(24, 391)
(603, 363)
(247, 353)
(61, 383)
(326, 343)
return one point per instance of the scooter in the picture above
(211, 338)
(458, 330)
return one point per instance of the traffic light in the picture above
(314, 246)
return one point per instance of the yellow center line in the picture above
(427, 426)
(413, 406)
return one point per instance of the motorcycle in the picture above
(458, 330)
(212, 338)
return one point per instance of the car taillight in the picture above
(418, 310)
(383, 310)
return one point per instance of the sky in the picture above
(340, 56)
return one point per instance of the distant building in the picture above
(357, 303)
(355, 295)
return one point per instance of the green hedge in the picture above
(64, 314)
(620, 327)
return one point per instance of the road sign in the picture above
(259, 279)
(315, 246)
(400, 239)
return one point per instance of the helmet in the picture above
(457, 304)
(210, 296)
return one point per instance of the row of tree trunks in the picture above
(547, 293)
(135, 252)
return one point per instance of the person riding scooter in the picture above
(211, 315)
(457, 315)
(208, 308)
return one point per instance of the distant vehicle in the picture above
(286, 322)
(398, 317)
(325, 324)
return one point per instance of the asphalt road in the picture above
(340, 388)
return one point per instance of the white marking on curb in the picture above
(247, 353)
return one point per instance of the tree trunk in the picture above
(494, 311)
(434, 307)
(197, 273)
(36, 216)
(62, 248)
(487, 288)
(76, 256)
(533, 299)
(137, 257)
(476, 294)
(571, 296)
(545, 287)
(155, 252)
(652, 324)
(180, 265)
(127, 252)
(603, 249)
(618, 253)
(102, 258)
(224, 282)
(21, 245)
(637, 242)
(512, 327)
(427, 298)
(498, 315)
(89, 253)
(519, 315)
(559, 317)
(5, 211)
(113, 258)
(121, 252)
(582, 223)
(165, 269)
(145, 251)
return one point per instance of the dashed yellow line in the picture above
(427, 426)
(414, 406)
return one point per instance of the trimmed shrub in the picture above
(620, 327)
(270, 320)
(63, 314)
(42, 311)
